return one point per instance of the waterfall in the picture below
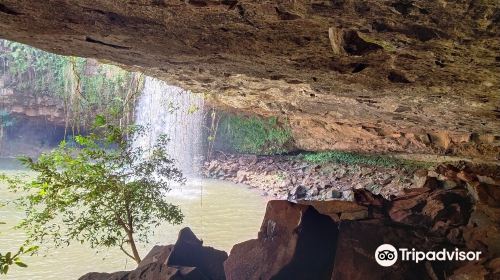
(177, 113)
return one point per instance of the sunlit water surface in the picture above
(220, 213)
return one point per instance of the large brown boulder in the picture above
(310, 240)
(357, 242)
(189, 251)
(295, 242)
(188, 259)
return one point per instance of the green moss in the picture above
(384, 44)
(352, 158)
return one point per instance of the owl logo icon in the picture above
(386, 255)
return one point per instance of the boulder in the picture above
(335, 194)
(357, 242)
(103, 276)
(423, 207)
(307, 240)
(189, 251)
(420, 177)
(241, 176)
(188, 259)
(295, 242)
(298, 192)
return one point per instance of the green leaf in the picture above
(32, 249)
(21, 264)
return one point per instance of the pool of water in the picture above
(220, 213)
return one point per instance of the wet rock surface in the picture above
(189, 251)
(381, 76)
(295, 242)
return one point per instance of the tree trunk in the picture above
(137, 258)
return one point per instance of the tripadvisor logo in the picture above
(387, 255)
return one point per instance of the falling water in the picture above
(177, 113)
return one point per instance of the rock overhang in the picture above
(378, 76)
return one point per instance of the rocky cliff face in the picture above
(392, 75)
(36, 122)
(30, 106)
(337, 239)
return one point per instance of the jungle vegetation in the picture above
(85, 87)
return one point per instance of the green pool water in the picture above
(220, 213)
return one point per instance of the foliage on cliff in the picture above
(104, 192)
(84, 87)
(352, 158)
(6, 120)
(254, 135)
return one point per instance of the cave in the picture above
(335, 83)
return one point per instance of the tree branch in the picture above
(126, 253)
(123, 224)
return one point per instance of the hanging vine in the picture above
(212, 131)
(83, 87)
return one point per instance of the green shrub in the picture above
(33, 70)
(255, 135)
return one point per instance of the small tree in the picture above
(103, 191)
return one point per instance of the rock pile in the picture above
(294, 179)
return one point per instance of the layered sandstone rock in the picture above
(338, 239)
(415, 76)
(29, 105)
